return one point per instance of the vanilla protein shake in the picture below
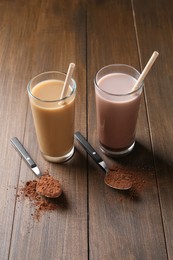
(116, 109)
(53, 118)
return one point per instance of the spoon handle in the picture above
(90, 150)
(21, 150)
(26, 156)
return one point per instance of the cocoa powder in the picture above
(141, 178)
(39, 203)
(48, 186)
(118, 180)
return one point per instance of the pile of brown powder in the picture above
(48, 186)
(41, 204)
(118, 180)
(141, 178)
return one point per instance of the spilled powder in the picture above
(39, 203)
(141, 179)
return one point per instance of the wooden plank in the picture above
(156, 33)
(120, 228)
(13, 79)
(10, 104)
(58, 37)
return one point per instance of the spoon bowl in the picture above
(119, 181)
(48, 187)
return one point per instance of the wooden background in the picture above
(92, 221)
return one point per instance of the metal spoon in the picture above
(32, 165)
(121, 180)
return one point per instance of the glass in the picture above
(53, 116)
(117, 108)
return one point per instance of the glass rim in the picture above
(54, 100)
(120, 65)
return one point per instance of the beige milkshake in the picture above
(53, 117)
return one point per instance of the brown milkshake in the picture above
(117, 111)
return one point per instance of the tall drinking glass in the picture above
(117, 108)
(53, 116)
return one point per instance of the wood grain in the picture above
(45, 35)
(118, 228)
(157, 34)
(12, 118)
(92, 221)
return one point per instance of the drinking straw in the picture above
(146, 70)
(67, 80)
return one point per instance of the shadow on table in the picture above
(61, 202)
(145, 170)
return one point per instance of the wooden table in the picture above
(93, 221)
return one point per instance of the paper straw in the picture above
(146, 70)
(67, 80)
